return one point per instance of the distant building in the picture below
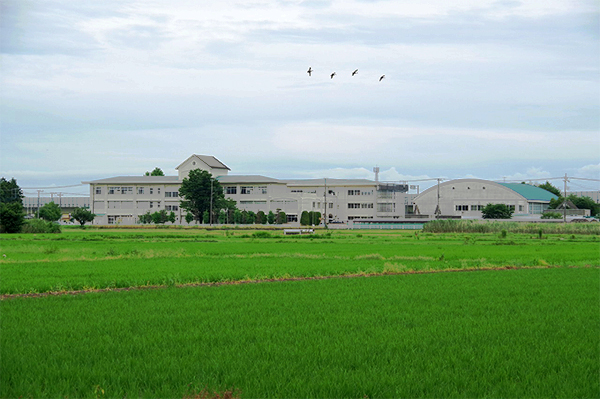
(121, 200)
(67, 204)
(467, 197)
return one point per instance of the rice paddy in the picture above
(529, 331)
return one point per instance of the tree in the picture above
(160, 217)
(585, 203)
(196, 190)
(271, 217)
(11, 217)
(261, 217)
(251, 218)
(172, 218)
(205, 217)
(11, 206)
(304, 218)
(10, 191)
(189, 217)
(281, 218)
(146, 218)
(222, 217)
(237, 216)
(82, 216)
(50, 212)
(497, 211)
(156, 172)
(549, 187)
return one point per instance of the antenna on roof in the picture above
(376, 170)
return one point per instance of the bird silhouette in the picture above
(309, 71)
(355, 72)
(381, 78)
(332, 75)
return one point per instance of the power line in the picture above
(52, 187)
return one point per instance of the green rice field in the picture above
(520, 319)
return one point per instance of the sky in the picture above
(500, 90)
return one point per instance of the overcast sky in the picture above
(473, 88)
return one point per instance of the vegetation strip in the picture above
(258, 281)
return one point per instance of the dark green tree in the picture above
(189, 218)
(497, 211)
(205, 217)
(160, 217)
(271, 217)
(156, 172)
(146, 218)
(172, 217)
(196, 190)
(549, 187)
(585, 203)
(281, 218)
(11, 217)
(261, 217)
(251, 218)
(222, 217)
(10, 191)
(50, 212)
(304, 218)
(82, 216)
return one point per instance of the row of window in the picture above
(358, 192)
(231, 190)
(140, 190)
(462, 208)
(360, 206)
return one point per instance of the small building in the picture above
(467, 197)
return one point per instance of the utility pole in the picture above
(38, 206)
(211, 200)
(325, 200)
(438, 211)
(565, 201)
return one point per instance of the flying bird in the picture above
(332, 75)
(355, 72)
(309, 71)
(381, 78)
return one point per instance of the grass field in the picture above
(525, 332)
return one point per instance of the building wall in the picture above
(467, 197)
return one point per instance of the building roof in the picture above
(531, 193)
(329, 182)
(209, 160)
(136, 180)
(230, 179)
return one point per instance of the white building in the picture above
(121, 200)
(467, 197)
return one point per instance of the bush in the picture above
(552, 215)
(11, 217)
(39, 226)
(261, 234)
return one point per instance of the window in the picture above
(231, 190)
(296, 191)
(353, 192)
(151, 203)
(126, 190)
(520, 208)
(262, 189)
(353, 206)
(140, 190)
(246, 190)
(171, 207)
(158, 190)
(151, 190)
(476, 207)
(98, 190)
(386, 207)
(331, 205)
(366, 206)
(113, 190)
(462, 207)
(292, 218)
(171, 194)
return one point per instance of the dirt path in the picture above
(259, 281)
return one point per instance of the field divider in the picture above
(268, 280)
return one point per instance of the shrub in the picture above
(552, 215)
(38, 226)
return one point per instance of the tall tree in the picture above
(196, 191)
(549, 187)
(156, 172)
(12, 216)
(10, 191)
(50, 212)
